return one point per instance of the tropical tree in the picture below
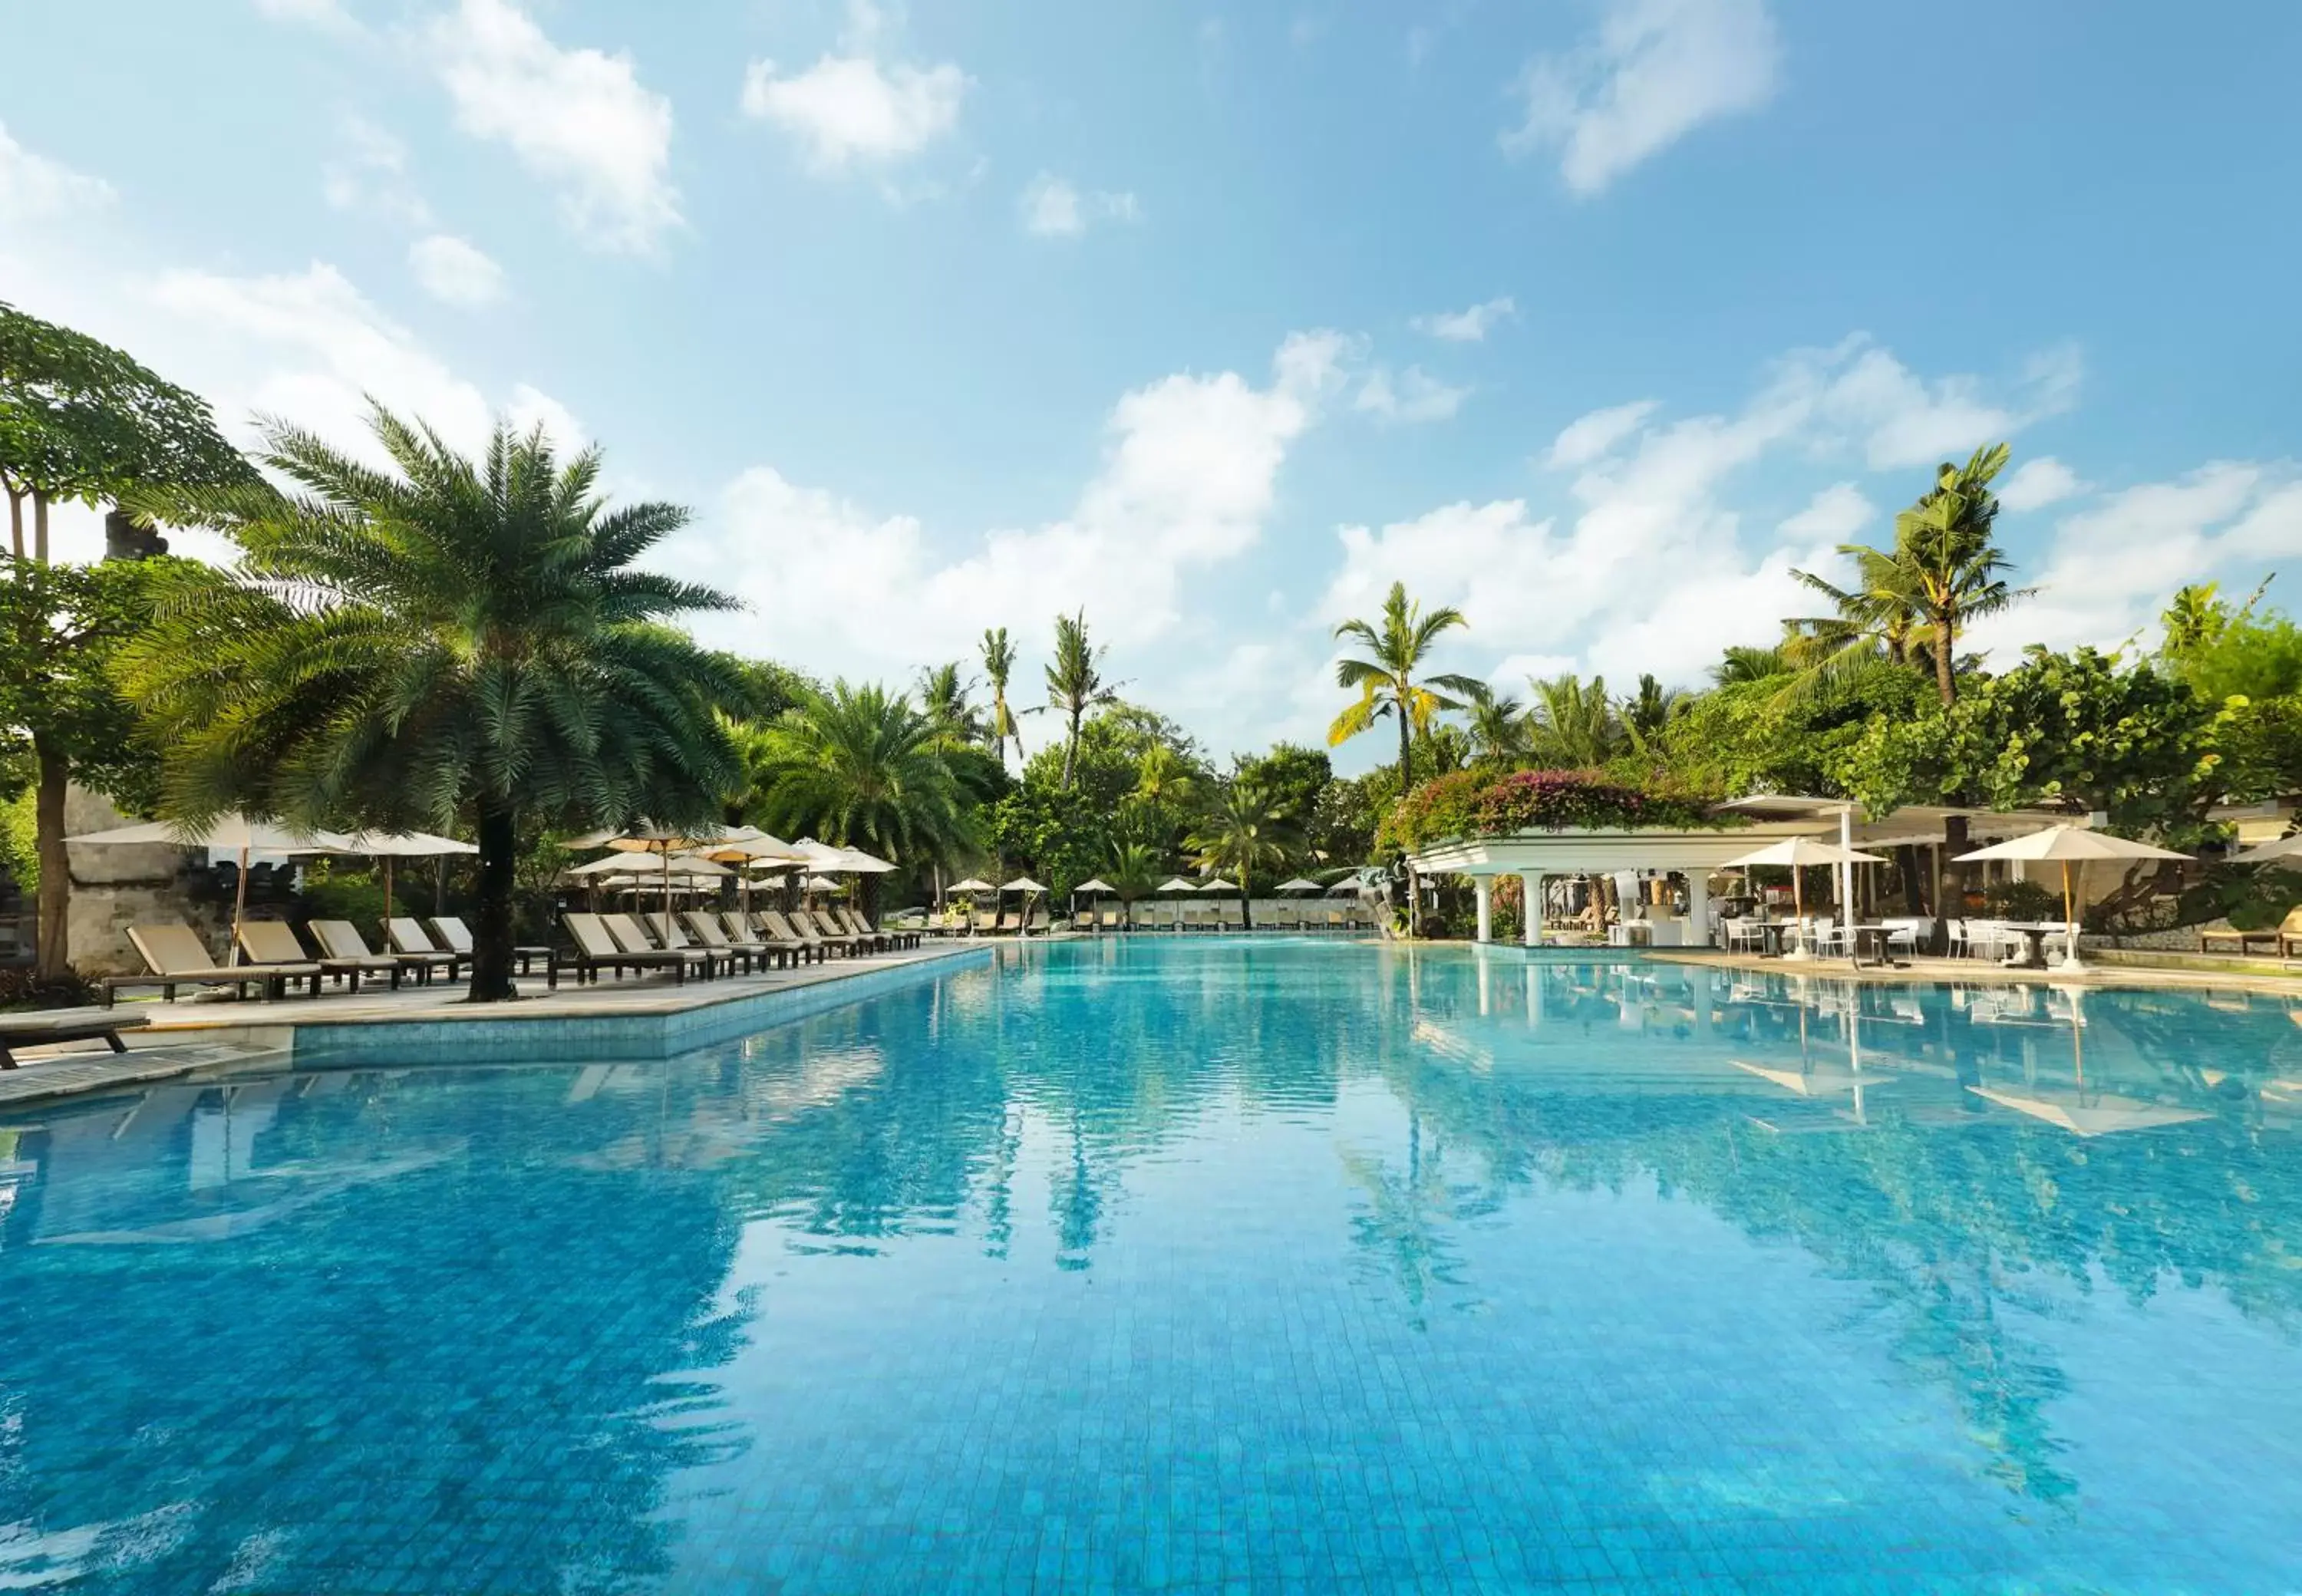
(1134, 871)
(1879, 618)
(1244, 833)
(861, 765)
(448, 642)
(1387, 675)
(1956, 571)
(1741, 663)
(1075, 683)
(1499, 727)
(1647, 713)
(81, 422)
(1574, 722)
(998, 669)
(945, 698)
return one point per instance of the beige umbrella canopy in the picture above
(389, 846)
(1220, 885)
(1093, 886)
(228, 833)
(972, 884)
(1177, 884)
(2072, 846)
(1796, 852)
(2272, 852)
(661, 867)
(1300, 884)
(1023, 884)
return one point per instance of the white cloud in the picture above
(455, 273)
(851, 110)
(1587, 437)
(1832, 515)
(1657, 70)
(2040, 482)
(34, 187)
(1414, 397)
(1054, 208)
(328, 15)
(1189, 477)
(2112, 567)
(579, 119)
(529, 406)
(1467, 326)
(1905, 420)
(370, 177)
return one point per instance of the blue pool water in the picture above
(1210, 1266)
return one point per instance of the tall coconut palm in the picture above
(1244, 833)
(858, 765)
(1075, 683)
(1387, 674)
(449, 642)
(1944, 542)
(998, 669)
(1743, 663)
(1647, 712)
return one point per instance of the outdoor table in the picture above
(1877, 938)
(2035, 933)
(1770, 935)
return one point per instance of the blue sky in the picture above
(1594, 317)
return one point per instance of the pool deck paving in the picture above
(196, 1034)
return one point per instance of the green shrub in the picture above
(2022, 900)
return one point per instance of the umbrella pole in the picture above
(387, 898)
(2069, 919)
(1798, 915)
(239, 906)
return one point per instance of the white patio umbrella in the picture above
(1298, 885)
(1177, 884)
(231, 833)
(2070, 846)
(1796, 852)
(1220, 885)
(1023, 884)
(1093, 886)
(972, 884)
(2272, 852)
(389, 846)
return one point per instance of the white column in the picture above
(1531, 888)
(1698, 905)
(1484, 887)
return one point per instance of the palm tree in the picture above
(1647, 713)
(1741, 663)
(945, 700)
(1944, 542)
(858, 765)
(1075, 683)
(1244, 834)
(1385, 675)
(453, 642)
(1134, 869)
(1574, 723)
(999, 669)
(1499, 727)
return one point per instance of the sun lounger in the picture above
(340, 939)
(273, 945)
(779, 935)
(176, 958)
(596, 950)
(889, 936)
(632, 939)
(455, 937)
(741, 930)
(406, 937)
(2281, 939)
(841, 922)
(713, 936)
(801, 930)
(63, 1025)
(830, 936)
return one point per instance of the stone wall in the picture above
(113, 887)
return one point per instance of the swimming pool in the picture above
(1195, 1265)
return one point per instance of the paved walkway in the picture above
(2096, 973)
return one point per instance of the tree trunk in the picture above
(1946, 645)
(1245, 904)
(1949, 880)
(1406, 750)
(491, 906)
(40, 527)
(16, 525)
(1906, 867)
(1070, 749)
(53, 932)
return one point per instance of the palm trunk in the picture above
(492, 905)
(1405, 748)
(1071, 751)
(1945, 643)
(1246, 903)
(52, 932)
